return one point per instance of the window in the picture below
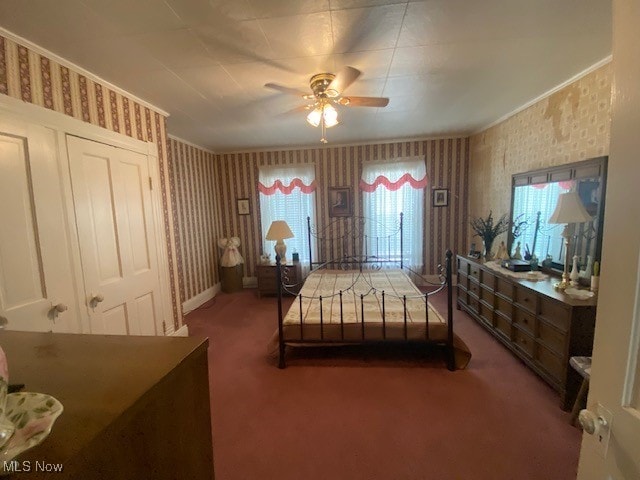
(392, 188)
(288, 193)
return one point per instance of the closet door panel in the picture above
(35, 262)
(22, 284)
(116, 235)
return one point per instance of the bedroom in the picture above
(199, 187)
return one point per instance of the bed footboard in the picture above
(366, 331)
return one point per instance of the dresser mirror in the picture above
(534, 196)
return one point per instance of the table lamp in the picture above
(568, 210)
(278, 231)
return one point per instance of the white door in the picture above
(36, 284)
(615, 374)
(116, 234)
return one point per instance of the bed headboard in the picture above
(346, 242)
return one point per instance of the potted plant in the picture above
(488, 230)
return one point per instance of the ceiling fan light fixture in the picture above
(330, 116)
(314, 116)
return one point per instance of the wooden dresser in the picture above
(134, 407)
(266, 273)
(540, 325)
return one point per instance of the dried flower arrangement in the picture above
(486, 229)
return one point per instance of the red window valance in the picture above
(391, 185)
(278, 186)
(565, 185)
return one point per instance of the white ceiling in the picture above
(448, 66)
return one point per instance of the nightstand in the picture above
(267, 283)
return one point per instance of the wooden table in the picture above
(134, 407)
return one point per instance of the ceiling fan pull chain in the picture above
(324, 131)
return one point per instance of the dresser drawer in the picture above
(504, 306)
(524, 320)
(486, 313)
(550, 362)
(267, 273)
(503, 325)
(551, 337)
(473, 287)
(524, 342)
(487, 295)
(505, 287)
(526, 298)
(474, 271)
(556, 314)
(488, 279)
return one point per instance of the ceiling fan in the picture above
(327, 89)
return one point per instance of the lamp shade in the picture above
(279, 230)
(569, 210)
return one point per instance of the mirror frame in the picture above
(592, 168)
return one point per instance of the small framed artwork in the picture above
(440, 197)
(243, 206)
(340, 202)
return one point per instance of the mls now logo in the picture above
(27, 466)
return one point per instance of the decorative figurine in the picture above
(517, 255)
(502, 253)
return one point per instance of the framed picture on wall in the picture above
(243, 206)
(440, 197)
(340, 202)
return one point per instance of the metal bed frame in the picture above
(351, 243)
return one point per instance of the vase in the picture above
(488, 244)
(574, 272)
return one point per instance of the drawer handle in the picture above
(525, 320)
(526, 299)
(524, 341)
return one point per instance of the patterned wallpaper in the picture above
(193, 173)
(570, 125)
(447, 167)
(36, 79)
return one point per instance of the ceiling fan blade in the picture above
(287, 90)
(341, 82)
(364, 101)
(301, 108)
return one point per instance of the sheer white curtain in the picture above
(388, 189)
(540, 198)
(288, 193)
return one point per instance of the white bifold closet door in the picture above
(36, 278)
(116, 234)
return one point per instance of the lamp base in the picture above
(281, 251)
(564, 284)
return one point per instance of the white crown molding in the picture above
(186, 142)
(58, 59)
(453, 136)
(547, 94)
(70, 125)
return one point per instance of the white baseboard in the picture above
(183, 331)
(201, 298)
(249, 282)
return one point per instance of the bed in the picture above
(364, 294)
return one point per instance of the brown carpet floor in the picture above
(355, 413)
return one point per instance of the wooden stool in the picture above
(582, 365)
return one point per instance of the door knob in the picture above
(60, 307)
(592, 423)
(96, 298)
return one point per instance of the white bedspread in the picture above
(370, 284)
